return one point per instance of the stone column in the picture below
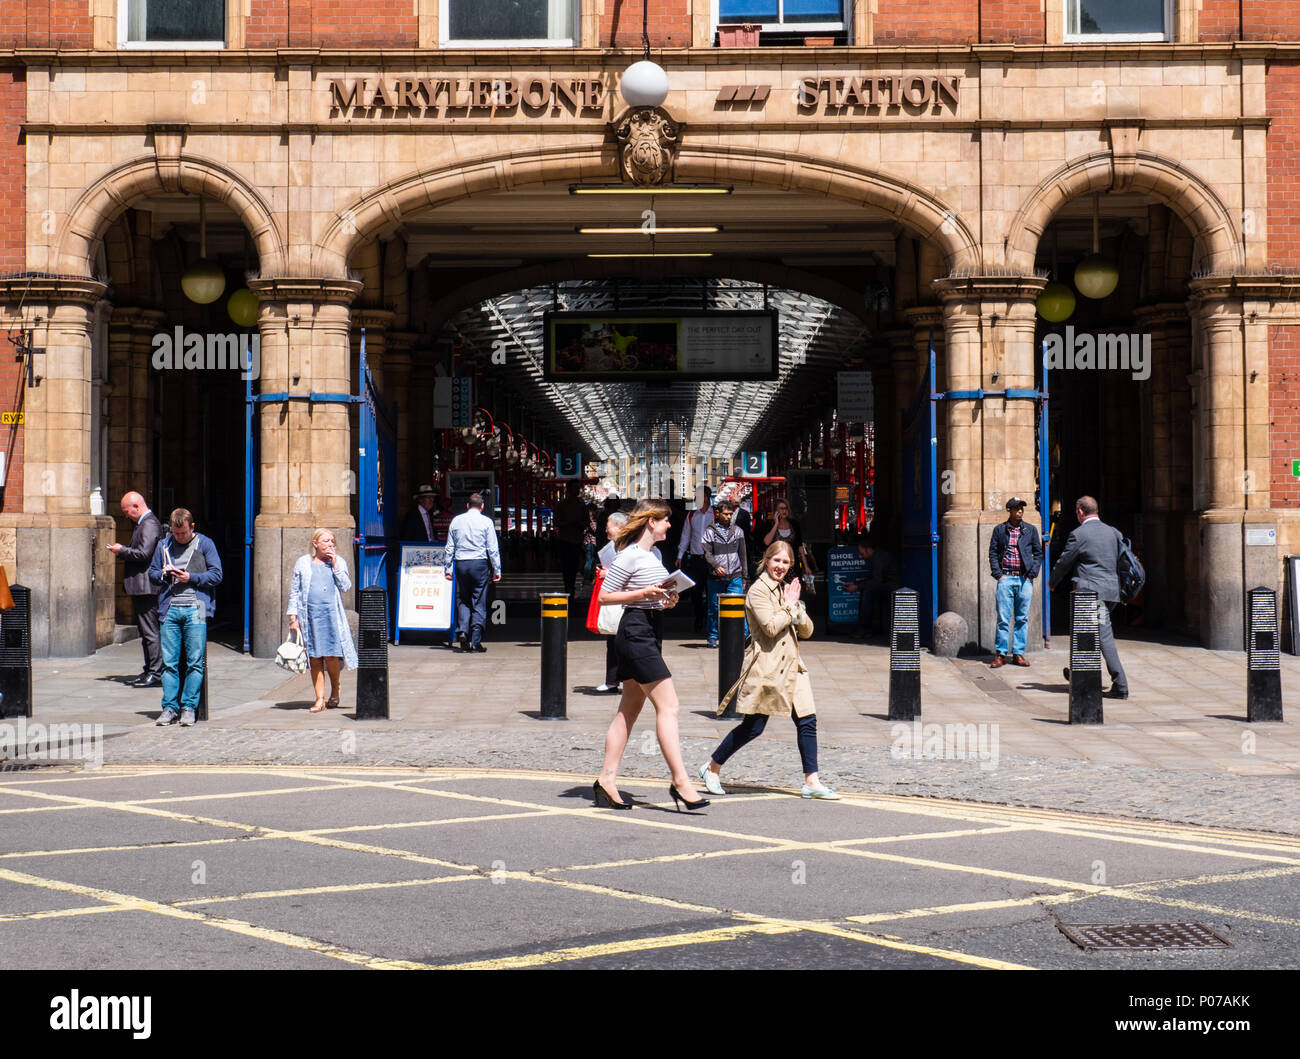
(377, 323)
(52, 529)
(1227, 566)
(306, 447)
(398, 370)
(990, 444)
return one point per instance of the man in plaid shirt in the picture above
(1015, 557)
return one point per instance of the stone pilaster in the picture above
(398, 373)
(304, 462)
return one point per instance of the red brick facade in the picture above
(1220, 20)
(332, 24)
(1270, 20)
(1284, 413)
(955, 22)
(669, 24)
(1019, 21)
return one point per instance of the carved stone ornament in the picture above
(647, 144)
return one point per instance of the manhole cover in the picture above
(1143, 936)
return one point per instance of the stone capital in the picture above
(977, 289)
(305, 289)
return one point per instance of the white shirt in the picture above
(606, 554)
(697, 522)
(473, 536)
(636, 568)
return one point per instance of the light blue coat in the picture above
(300, 589)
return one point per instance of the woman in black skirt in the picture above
(636, 579)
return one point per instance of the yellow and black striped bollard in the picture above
(731, 645)
(555, 657)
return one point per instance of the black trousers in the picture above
(694, 567)
(611, 662)
(146, 620)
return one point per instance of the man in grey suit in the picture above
(1092, 552)
(144, 594)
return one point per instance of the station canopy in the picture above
(816, 340)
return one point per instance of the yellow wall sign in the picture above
(10, 418)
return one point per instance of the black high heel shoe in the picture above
(679, 801)
(604, 801)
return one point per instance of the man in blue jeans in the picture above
(188, 568)
(1015, 557)
(724, 556)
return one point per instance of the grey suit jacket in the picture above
(1092, 553)
(148, 532)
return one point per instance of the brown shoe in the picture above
(1019, 660)
(998, 660)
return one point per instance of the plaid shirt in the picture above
(1011, 557)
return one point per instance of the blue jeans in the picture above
(472, 579)
(720, 586)
(187, 628)
(1015, 594)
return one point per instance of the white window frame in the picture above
(123, 16)
(1102, 38)
(444, 23)
(844, 25)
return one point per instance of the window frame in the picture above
(124, 18)
(444, 41)
(1115, 38)
(845, 25)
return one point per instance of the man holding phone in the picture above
(187, 567)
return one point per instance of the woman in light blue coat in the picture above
(316, 611)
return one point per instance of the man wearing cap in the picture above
(419, 522)
(1015, 557)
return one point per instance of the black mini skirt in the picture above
(639, 646)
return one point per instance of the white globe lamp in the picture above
(644, 84)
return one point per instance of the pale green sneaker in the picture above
(711, 781)
(826, 794)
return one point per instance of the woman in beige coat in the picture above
(773, 680)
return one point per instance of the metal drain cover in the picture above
(1143, 936)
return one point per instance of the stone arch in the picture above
(113, 192)
(1218, 245)
(387, 205)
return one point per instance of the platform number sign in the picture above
(753, 465)
(568, 465)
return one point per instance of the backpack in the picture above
(1131, 574)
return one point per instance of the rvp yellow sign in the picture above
(10, 418)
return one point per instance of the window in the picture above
(1118, 20)
(784, 14)
(541, 23)
(171, 23)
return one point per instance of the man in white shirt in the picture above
(474, 558)
(690, 552)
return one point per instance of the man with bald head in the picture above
(143, 592)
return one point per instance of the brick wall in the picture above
(13, 161)
(952, 22)
(1270, 20)
(1283, 103)
(1284, 413)
(332, 24)
(1018, 21)
(45, 23)
(1220, 19)
(669, 25)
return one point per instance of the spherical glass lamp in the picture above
(1056, 303)
(644, 84)
(242, 307)
(1096, 276)
(204, 282)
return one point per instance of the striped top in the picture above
(636, 568)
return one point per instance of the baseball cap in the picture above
(1016, 502)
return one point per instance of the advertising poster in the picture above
(843, 566)
(424, 595)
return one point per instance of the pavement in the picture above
(1179, 749)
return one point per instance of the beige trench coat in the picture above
(772, 677)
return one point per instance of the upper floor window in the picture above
(787, 15)
(483, 23)
(171, 23)
(1087, 20)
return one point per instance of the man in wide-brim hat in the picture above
(419, 522)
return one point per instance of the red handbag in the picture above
(593, 608)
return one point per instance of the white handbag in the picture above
(608, 618)
(292, 655)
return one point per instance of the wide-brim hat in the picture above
(424, 490)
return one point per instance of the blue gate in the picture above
(377, 471)
(920, 516)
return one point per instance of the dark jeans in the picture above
(472, 579)
(146, 620)
(752, 727)
(694, 567)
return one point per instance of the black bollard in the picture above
(372, 654)
(201, 710)
(16, 655)
(731, 646)
(904, 657)
(1085, 658)
(555, 657)
(1263, 664)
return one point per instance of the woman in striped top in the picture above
(636, 580)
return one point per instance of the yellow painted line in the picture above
(1149, 897)
(674, 858)
(619, 948)
(38, 808)
(341, 785)
(59, 913)
(948, 910)
(1001, 829)
(1208, 880)
(311, 891)
(21, 854)
(234, 926)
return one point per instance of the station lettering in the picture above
(914, 92)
